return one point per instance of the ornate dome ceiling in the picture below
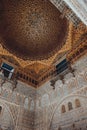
(32, 29)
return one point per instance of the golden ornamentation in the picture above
(32, 29)
(39, 70)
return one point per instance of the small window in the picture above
(63, 109)
(70, 106)
(8, 70)
(77, 103)
(24, 77)
(21, 76)
(0, 109)
(27, 78)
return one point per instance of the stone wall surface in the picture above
(45, 108)
(17, 111)
(49, 114)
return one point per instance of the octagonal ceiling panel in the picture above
(32, 29)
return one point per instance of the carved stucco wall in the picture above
(30, 109)
(48, 114)
(23, 95)
(15, 117)
(17, 107)
(6, 118)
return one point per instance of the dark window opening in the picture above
(7, 70)
(63, 65)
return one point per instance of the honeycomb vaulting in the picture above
(32, 29)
